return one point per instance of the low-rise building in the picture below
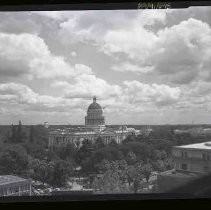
(191, 161)
(195, 131)
(14, 186)
(94, 128)
(63, 137)
(194, 158)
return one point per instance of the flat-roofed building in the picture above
(195, 158)
(14, 186)
(63, 137)
(191, 161)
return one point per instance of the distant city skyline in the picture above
(146, 67)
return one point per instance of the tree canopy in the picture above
(13, 160)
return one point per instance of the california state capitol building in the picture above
(94, 128)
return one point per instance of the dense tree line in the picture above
(122, 167)
(55, 165)
(25, 154)
(13, 160)
(26, 134)
(32, 162)
(17, 134)
(132, 151)
(120, 177)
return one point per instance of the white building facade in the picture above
(94, 128)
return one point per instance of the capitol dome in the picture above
(94, 106)
(94, 118)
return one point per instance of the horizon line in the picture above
(112, 124)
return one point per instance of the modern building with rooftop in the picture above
(191, 161)
(94, 128)
(14, 186)
(194, 158)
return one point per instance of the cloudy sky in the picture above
(144, 66)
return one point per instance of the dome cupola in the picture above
(94, 105)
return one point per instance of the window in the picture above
(184, 154)
(57, 140)
(205, 156)
(184, 166)
(9, 191)
(16, 190)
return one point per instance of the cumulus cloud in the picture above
(139, 47)
(187, 41)
(127, 66)
(28, 54)
(14, 23)
(20, 94)
(161, 95)
(200, 88)
(71, 33)
(150, 17)
(195, 96)
(182, 50)
(132, 96)
(85, 86)
(93, 25)
(185, 48)
(58, 15)
(84, 26)
(166, 57)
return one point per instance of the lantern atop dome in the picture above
(94, 99)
